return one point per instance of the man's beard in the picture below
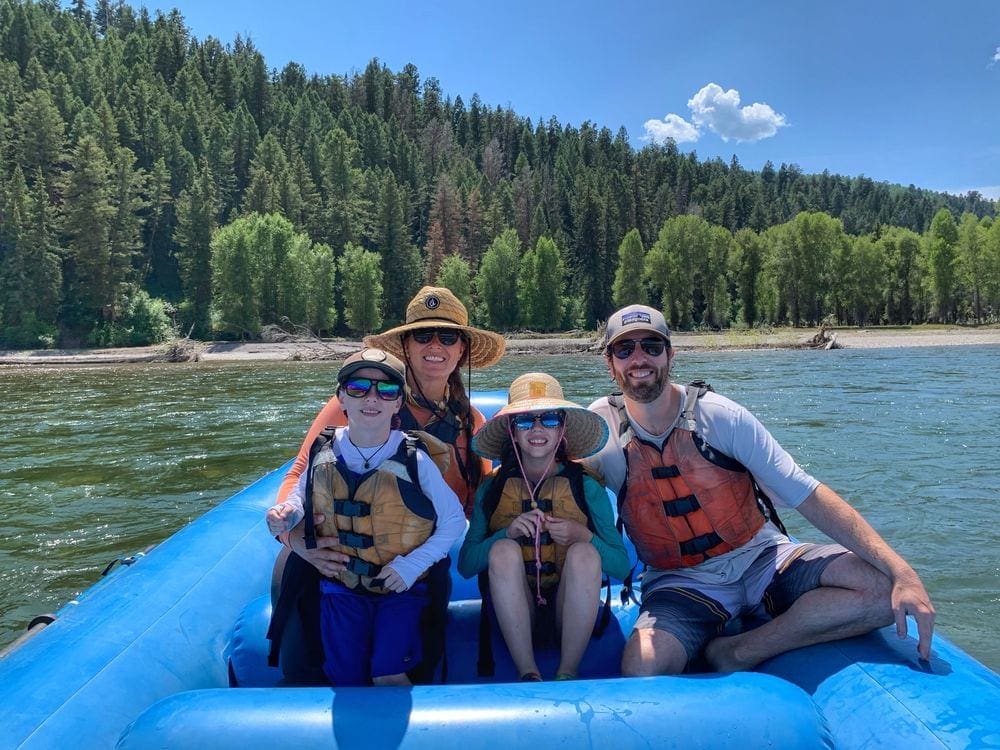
(646, 392)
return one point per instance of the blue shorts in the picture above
(370, 635)
(695, 612)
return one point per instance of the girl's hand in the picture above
(526, 524)
(565, 531)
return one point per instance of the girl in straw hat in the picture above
(541, 526)
(435, 342)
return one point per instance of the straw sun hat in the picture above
(437, 307)
(586, 432)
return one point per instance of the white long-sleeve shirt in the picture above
(449, 526)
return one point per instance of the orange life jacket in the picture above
(687, 502)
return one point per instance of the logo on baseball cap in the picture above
(634, 318)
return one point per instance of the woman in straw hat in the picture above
(435, 341)
(541, 526)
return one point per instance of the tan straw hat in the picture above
(437, 307)
(586, 432)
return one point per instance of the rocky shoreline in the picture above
(781, 338)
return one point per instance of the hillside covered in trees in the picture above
(154, 183)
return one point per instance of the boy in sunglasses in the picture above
(696, 475)
(541, 527)
(391, 528)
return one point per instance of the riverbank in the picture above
(779, 338)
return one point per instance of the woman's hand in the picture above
(280, 518)
(526, 524)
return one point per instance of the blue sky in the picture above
(904, 92)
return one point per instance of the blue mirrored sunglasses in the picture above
(549, 420)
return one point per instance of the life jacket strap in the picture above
(363, 568)
(681, 506)
(355, 540)
(543, 504)
(665, 472)
(700, 544)
(548, 568)
(351, 508)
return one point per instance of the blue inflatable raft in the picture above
(169, 652)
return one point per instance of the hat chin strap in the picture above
(532, 491)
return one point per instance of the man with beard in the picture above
(696, 475)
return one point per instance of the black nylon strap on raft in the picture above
(485, 666)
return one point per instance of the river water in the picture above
(102, 462)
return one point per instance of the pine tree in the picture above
(196, 210)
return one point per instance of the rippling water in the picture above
(105, 461)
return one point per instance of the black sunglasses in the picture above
(652, 346)
(445, 336)
(361, 387)
(549, 419)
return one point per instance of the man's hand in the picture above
(326, 561)
(910, 597)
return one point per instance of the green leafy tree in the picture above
(540, 287)
(900, 248)
(672, 263)
(941, 253)
(973, 269)
(629, 288)
(456, 275)
(496, 284)
(747, 266)
(868, 274)
(361, 281)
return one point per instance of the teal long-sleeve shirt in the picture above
(474, 556)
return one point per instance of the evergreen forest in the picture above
(153, 184)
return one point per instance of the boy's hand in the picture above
(326, 561)
(566, 531)
(280, 518)
(526, 524)
(392, 581)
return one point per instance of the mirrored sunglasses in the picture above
(445, 336)
(550, 420)
(652, 346)
(384, 389)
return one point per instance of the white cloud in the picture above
(996, 57)
(671, 126)
(720, 112)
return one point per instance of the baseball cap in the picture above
(376, 358)
(641, 318)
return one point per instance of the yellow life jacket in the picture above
(561, 496)
(376, 516)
